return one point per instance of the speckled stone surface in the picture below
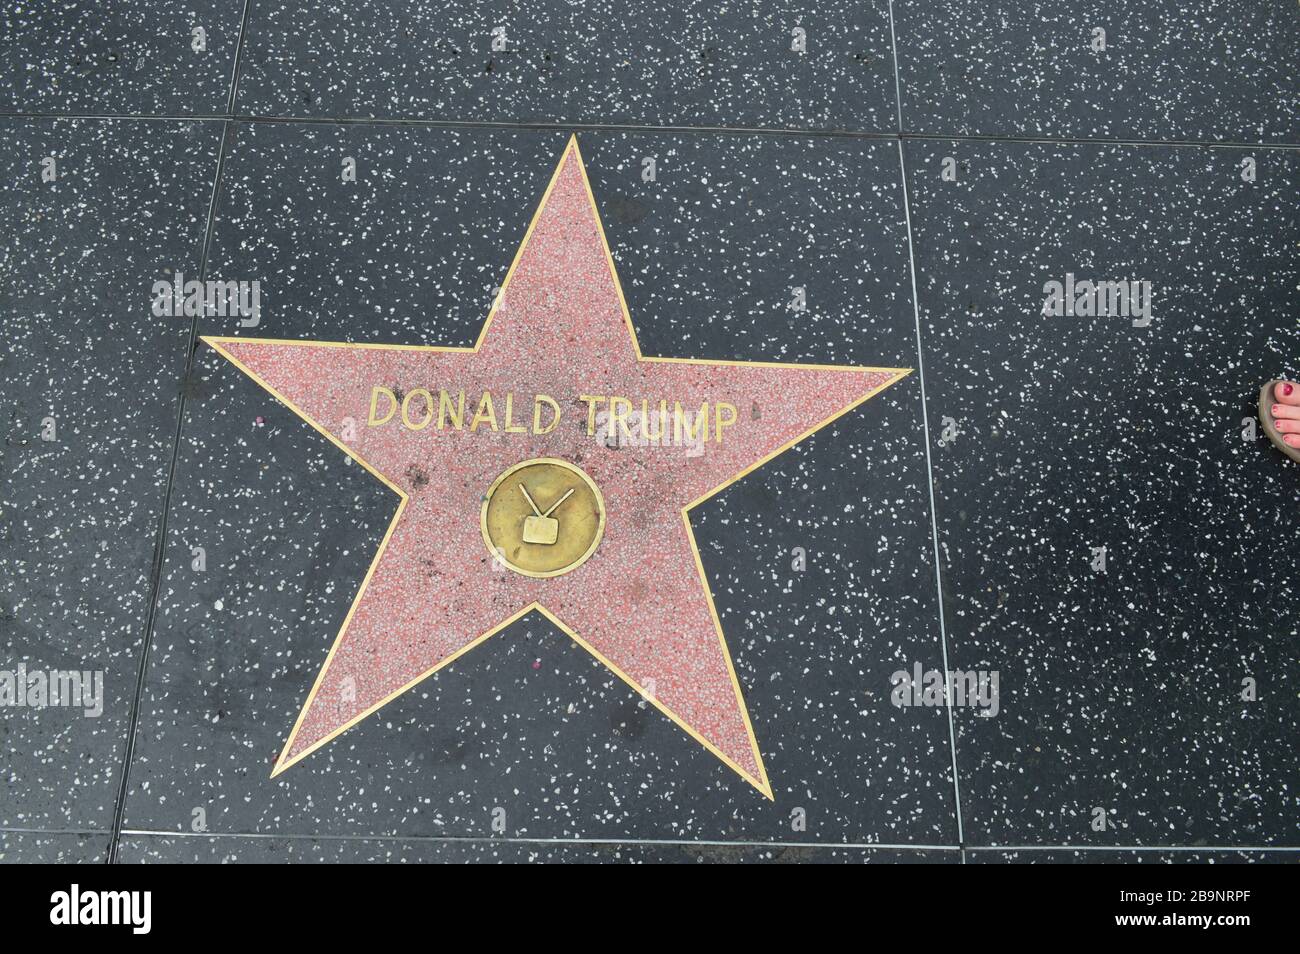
(371, 260)
(136, 57)
(1151, 856)
(154, 849)
(1174, 70)
(1120, 690)
(80, 512)
(563, 747)
(714, 246)
(686, 63)
(51, 848)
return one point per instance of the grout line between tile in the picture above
(929, 475)
(925, 430)
(487, 839)
(1140, 848)
(898, 80)
(690, 843)
(239, 53)
(651, 128)
(160, 542)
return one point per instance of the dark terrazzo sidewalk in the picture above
(923, 170)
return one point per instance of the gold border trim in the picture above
(761, 781)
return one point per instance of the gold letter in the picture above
(592, 401)
(718, 422)
(480, 415)
(645, 418)
(374, 406)
(701, 421)
(537, 414)
(512, 428)
(406, 405)
(619, 408)
(444, 408)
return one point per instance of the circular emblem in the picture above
(543, 517)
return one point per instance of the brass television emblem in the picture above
(543, 517)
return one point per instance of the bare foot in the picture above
(1286, 411)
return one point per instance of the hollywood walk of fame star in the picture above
(481, 444)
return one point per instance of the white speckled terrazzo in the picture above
(916, 177)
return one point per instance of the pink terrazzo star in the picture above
(641, 603)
